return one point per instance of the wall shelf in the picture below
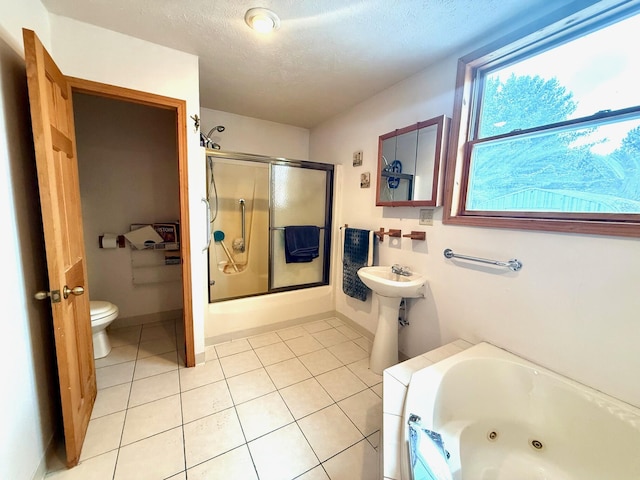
(391, 232)
(166, 246)
(155, 265)
(414, 235)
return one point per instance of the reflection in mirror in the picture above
(409, 164)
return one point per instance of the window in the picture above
(546, 130)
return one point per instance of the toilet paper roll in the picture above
(109, 240)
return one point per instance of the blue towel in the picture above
(356, 254)
(301, 243)
(427, 454)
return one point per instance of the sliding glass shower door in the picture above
(298, 197)
(253, 201)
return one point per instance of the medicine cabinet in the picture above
(411, 164)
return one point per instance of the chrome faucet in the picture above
(401, 270)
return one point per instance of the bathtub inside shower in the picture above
(501, 418)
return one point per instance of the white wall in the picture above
(85, 51)
(572, 308)
(128, 174)
(31, 14)
(28, 404)
(259, 137)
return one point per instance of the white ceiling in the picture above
(327, 56)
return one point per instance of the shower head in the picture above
(217, 128)
(206, 141)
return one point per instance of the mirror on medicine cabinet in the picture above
(411, 164)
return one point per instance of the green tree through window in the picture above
(546, 127)
(625, 161)
(522, 102)
(558, 163)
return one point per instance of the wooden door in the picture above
(55, 147)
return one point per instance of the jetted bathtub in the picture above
(504, 418)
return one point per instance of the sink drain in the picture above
(537, 444)
(492, 436)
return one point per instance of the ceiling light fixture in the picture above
(262, 20)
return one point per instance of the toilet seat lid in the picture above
(100, 308)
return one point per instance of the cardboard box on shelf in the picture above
(169, 232)
(161, 236)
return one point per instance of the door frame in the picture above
(79, 85)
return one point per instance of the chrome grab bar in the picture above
(244, 240)
(206, 202)
(513, 264)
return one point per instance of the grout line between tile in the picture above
(184, 442)
(126, 412)
(235, 405)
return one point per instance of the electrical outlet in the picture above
(426, 216)
(357, 158)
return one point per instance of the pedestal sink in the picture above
(390, 288)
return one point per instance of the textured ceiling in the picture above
(327, 56)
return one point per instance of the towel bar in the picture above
(513, 264)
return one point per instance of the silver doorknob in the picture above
(66, 291)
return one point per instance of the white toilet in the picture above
(102, 314)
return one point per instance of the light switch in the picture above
(426, 216)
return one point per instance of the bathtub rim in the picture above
(432, 376)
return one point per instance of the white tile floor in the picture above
(298, 403)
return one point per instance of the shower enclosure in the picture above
(251, 200)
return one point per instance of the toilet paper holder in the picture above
(119, 241)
